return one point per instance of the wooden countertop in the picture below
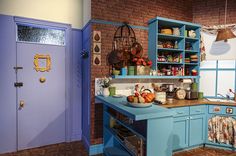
(182, 103)
(120, 105)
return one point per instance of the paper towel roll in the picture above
(186, 81)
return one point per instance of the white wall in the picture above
(63, 11)
(219, 50)
(86, 11)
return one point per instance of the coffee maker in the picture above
(170, 91)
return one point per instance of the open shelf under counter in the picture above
(152, 77)
(111, 151)
(169, 37)
(169, 50)
(129, 127)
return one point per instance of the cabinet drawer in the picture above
(181, 111)
(217, 109)
(197, 109)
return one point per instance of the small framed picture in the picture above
(97, 36)
(97, 48)
(229, 110)
(42, 63)
(97, 60)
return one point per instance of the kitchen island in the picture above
(167, 128)
(156, 124)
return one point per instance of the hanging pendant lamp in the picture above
(225, 33)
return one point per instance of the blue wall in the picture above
(86, 86)
(7, 90)
(76, 86)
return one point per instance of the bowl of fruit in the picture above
(141, 98)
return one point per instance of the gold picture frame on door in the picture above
(42, 63)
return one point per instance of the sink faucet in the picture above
(225, 97)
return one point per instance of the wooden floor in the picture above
(77, 149)
(206, 151)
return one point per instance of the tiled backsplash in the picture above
(126, 86)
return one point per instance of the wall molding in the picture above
(96, 149)
(117, 24)
(85, 142)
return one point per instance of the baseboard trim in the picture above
(92, 149)
(96, 149)
(85, 142)
(76, 137)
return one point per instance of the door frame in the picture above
(68, 64)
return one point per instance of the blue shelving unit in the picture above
(182, 40)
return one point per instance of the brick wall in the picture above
(136, 12)
(212, 12)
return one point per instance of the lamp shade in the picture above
(224, 34)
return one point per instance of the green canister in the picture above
(194, 87)
(200, 95)
(131, 70)
(112, 91)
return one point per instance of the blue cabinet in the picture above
(180, 133)
(189, 126)
(197, 129)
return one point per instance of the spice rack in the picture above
(174, 47)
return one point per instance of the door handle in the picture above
(18, 84)
(22, 104)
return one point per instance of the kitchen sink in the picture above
(221, 100)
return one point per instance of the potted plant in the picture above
(143, 65)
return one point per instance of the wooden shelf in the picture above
(152, 77)
(170, 50)
(171, 63)
(192, 64)
(169, 37)
(191, 51)
(190, 39)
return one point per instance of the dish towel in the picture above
(222, 130)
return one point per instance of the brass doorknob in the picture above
(22, 104)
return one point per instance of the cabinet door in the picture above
(197, 129)
(180, 132)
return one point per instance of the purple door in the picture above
(41, 104)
